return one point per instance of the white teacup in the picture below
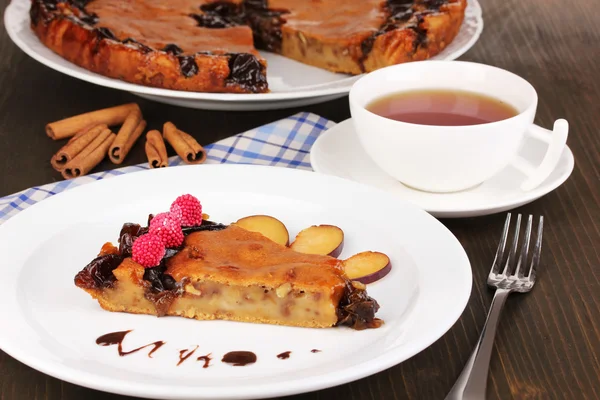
(452, 158)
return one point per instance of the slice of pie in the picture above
(210, 45)
(226, 272)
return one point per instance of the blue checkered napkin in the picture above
(284, 143)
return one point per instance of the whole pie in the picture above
(211, 46)
(227, 272)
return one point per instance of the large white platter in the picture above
(292, 84)
(51, 325)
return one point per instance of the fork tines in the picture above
(506, 268)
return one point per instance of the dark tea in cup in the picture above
(441, 107)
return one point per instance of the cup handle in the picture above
(556, 140)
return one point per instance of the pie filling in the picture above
(221, 291)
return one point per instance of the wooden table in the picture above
(548, 341)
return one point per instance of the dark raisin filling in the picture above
(105, 33)
(50, 4)
(129, 232)
(212, 21)
(246, 71)
(400, 12)
(367, 45)
(160, 281)
(421, 39)
(220, 14)
(265, 23)
(99, 272)
(206, 226)
(172, 48)
(42, 9)
(255, 4)
(222, 8)
(34, 12)
(142, 47)
(356, 309)
(434, 5)
(188, 66)
(79, 3)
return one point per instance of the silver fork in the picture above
(472, 382)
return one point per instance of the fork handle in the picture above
(472, 382)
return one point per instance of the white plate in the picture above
(338, 152)
(292, 83)
(53, 325)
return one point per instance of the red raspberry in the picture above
(188, 210)
(148, 250)
(167, 227)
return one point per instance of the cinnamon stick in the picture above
(132, 129)
(70, 126)
(89, 157)
(156, 150)
(75, 146)
(184, 144)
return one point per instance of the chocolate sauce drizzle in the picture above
(235, 358)
(117, 338)
(206, 360)
(185, 354)
(239, 358)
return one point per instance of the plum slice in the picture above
(367, 267)
(266, 225)
(319, 239)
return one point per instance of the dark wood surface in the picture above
(548, 341)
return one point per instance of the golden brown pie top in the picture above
(331, 19)
(235, 255)
(158, 23)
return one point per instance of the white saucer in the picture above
(338, 152)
